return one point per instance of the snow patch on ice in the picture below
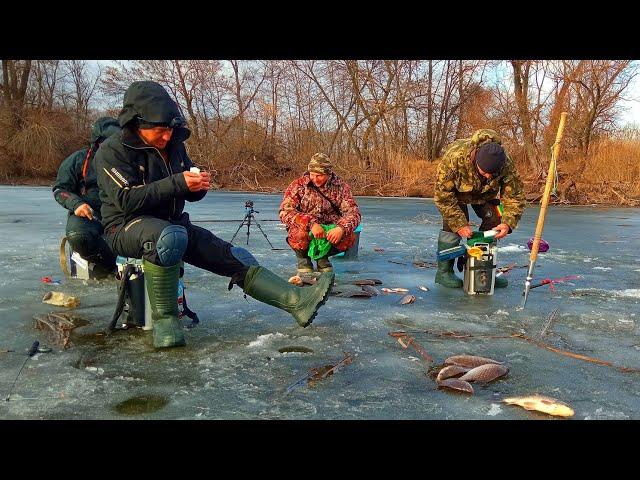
(501, 312)
(494, 410)
(512, 247)
(629, 292)
(606, 269)
(263, 339)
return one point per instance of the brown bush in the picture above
(43, 140)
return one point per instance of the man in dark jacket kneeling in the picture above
(144, 177)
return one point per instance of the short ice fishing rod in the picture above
(543, 208)
(32, 351)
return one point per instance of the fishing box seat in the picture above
(137, 309)
(352, 252)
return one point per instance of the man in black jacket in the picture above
(144, 177)
(76, 189)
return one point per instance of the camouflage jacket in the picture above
(458, 181)
(303, 206)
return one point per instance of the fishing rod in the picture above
(543, 208)
(222, 221)
(32, 351)
(550, 282)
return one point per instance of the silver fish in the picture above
(407, 299)
(456, 384)
(470, 361)
(423, 288)
(451, 371)
(485, 373)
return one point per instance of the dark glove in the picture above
(462, 259)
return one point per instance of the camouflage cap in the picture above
(320, 163)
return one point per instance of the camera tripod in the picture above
(248, 218)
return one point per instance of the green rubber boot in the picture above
(162, 287)
(304, 263)
(501, 282)
(301, 302)
(445, 275)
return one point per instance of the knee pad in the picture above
(83, 243)
(171, 244)
(244, 257)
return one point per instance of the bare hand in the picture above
(465, 231)
(503, 230)
(84, 210)
(317, 231)
(335, 235)
(197, 181)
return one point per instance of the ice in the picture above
(263, 339)
(231, 367)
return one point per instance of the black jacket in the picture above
(134, 179)
(76, 181)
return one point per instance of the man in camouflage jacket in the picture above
(319, 197)
(479, 172)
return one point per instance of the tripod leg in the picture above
(234, 235)
(248, 226)
(264, 235)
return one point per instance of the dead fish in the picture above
(456, 384)
(423, 288)
(451, 371)
(395, 290)
(407, 299)
(354, 294)
(375, 281)
(309, 280)
(542, 404)
(296, 280)
(377, 249)
(366, 281)
(372, 290)
(485, 373)
(470, 361)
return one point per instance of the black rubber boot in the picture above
(445, 275)
(324, 265)
(501, 282)
(162, 288)
(301, 302)
(304, 264)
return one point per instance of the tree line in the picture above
(256, 123)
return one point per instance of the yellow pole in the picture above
(543, 206)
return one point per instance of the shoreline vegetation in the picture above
(609, 194)
(385, 124)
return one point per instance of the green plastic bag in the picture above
(319, 247)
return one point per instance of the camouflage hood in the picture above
(485, 135)
(150, 102)
(103, 128)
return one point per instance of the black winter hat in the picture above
(491, 157)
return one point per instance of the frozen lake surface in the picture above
(232, 367)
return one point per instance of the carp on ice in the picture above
(542, 404)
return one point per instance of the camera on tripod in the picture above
(248, 205)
